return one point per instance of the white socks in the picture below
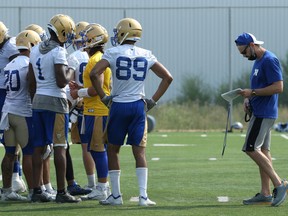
(142, 176)
(115, 182)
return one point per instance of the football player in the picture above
(17, 123)
(46, 183)
(8, 51)
(78, 59)
(48, 76)
(130, 66)
(95, 112)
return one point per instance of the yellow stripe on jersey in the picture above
(93, 105)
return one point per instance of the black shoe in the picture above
(66, 198)
(43, 197)
(78, 190)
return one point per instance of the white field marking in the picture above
(203, 135)
(171, 145)
(223, 198)
(243, 135)
(273, 158)
(155, 159)
(212, 159)
(134, 199)
(284, 136)
(164, 135)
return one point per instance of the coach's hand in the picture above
(150, 103)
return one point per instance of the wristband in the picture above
(83, 92)
(153, 101)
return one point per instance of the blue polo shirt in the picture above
(265, 71)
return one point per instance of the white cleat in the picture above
(111, 200)
(96, 194)
(146, 201)
(12, 196)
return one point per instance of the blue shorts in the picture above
(127, 119)
(50, 128)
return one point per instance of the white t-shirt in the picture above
(129, 65)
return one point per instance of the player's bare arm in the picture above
(31, 81)
(96, 76)
(166, 77)
(63, 75)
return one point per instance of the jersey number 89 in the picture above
(127, 67)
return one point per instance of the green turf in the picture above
(182, 182)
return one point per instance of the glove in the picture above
(150, 103)
(73, 62)
(107, 100)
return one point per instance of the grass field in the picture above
(186, 177)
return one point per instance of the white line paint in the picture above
(171, 145)
(284, 136)
(203, 135)
(212, 159)
(134, 199)
(155, 159)
(223, 198)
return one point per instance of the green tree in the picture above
(194, 89)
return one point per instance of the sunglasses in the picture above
(244, 51)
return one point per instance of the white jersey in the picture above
(43, 67)
(9, 49)
(18, 100)
(83, 58)
(129, 65)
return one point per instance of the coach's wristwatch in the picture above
(253, 93)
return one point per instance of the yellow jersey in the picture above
(93, 105)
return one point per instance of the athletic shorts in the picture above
(50, 128)
(20, 132)
(76, 136)
(94, 131)
(258, 134)
(127, 119)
